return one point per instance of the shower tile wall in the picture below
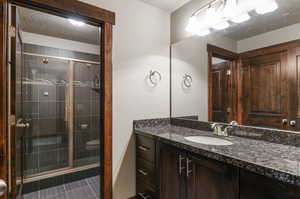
(44, 96)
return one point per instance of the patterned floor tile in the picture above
(83, 189)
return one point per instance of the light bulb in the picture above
(241, 18)
(267, 7)
(221, 25)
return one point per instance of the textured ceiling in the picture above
(50, 25)
(168, 5)
(287, 14)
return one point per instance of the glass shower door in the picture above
(46, 142)
(87, 125)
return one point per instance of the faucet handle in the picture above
(213, 125)
(234, 123)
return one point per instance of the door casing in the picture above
(92, 15)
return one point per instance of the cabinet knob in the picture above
(144, 196)
(293, 123)
(142, 148)
(142, 172)
(284, 121)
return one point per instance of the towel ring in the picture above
(152, 75)
(187, 80)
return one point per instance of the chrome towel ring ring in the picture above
(187, 80)
(152, 77)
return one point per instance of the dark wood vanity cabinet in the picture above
(146, 185)
(167, 172)
(208, 179)
(172, 173)
(183, 176)
(260, 187)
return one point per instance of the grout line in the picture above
(91, 188)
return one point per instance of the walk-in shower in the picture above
(62, 104)
(60, 98)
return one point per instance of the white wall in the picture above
(54, 42)
(189, 56)
(278, 36)
(141, 42)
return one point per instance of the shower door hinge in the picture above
(12, 31)
(12, 120)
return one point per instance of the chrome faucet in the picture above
(217, 128)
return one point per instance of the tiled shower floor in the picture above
(88, 188)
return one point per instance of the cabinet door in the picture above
(172, 181)
(209, 179)
(253, 186)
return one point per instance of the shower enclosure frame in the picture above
(92, 15)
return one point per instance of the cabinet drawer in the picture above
(145, 148)
(145, 172)
(144, 191)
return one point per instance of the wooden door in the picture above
(264, 87)
(295, 90)
(172, 173)
(209, 179)
(221, 94)
(17, 128)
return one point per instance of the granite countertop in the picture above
(281, 162)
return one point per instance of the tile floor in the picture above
(83, 189)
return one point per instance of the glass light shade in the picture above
(267, 7)
(203, 32)
(230, 9)
(192, 25)
(221, 25)
(241, 18)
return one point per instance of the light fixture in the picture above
(203, 32)
(221, 26)
(76, 23)
(192, 25)
(266, 7)
(217, 14)
(241, 18)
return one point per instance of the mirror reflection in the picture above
(243, 60)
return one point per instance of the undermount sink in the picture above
(208, 140)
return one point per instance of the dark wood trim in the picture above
(214, 51)
(107, 63)
(93, 15)
(222, 53)
(210, 86)
(3, 92)
(270, 49)
(70, 8)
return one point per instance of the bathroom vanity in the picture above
(170, 166)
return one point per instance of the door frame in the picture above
(92, 15)
(214, 51)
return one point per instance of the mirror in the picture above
(243, 69)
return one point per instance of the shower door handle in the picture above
(3, 187)
(21, 124)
